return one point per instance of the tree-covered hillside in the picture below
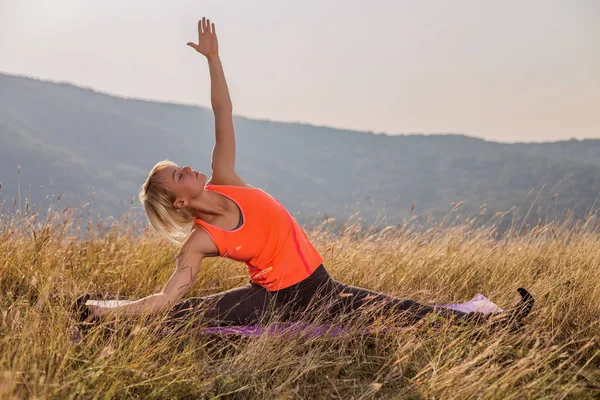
(81, 142)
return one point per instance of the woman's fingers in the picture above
(205, 27)
(79, 309)
(206, 30)
(93, 314)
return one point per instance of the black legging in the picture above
(318, 296)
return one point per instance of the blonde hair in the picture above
(158, 200)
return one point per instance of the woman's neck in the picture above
(209, 206)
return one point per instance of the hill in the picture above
(78, 141)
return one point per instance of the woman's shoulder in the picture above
(200, 241)
(227, 178)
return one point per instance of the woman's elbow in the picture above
(171, 299)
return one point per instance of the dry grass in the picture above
(43, 267)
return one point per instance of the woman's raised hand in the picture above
(207, 39)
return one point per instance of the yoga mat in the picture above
(108, 303)
(478, 303)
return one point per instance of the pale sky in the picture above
(507, 71)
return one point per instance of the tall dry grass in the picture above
(44, 265)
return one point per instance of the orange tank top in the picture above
(274, 247)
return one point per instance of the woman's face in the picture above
(186, 183)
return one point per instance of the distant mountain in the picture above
(82, 141)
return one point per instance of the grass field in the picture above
(555, 355)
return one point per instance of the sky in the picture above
(505, 71)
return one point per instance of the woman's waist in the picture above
(308, 285)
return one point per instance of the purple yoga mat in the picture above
(478, 303)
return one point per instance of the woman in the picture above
(227, 217)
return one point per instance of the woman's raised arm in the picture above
(223, 156)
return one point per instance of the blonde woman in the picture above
(224, 216)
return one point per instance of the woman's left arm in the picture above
(223, 156)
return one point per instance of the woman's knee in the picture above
(240, 306)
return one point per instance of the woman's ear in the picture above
(179, 204)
